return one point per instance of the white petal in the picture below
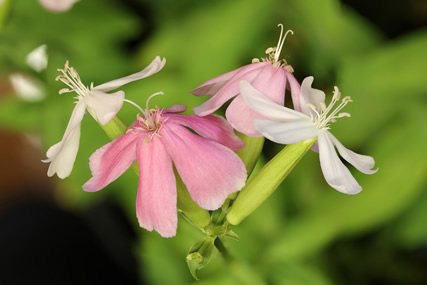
(105, 106)
(63, 154)
(155, 66)
(37, 59)
(310, 96)
(363, 163)
(266, 107)
(286, 132)
(335, 172)
(26, 87)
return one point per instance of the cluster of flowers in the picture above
(160, 139)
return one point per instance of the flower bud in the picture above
(263, 184)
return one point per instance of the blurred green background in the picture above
(306, 233)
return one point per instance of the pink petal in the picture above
(230, 89)
(295, 89)
(212, 86)
(210, 171)
(242, 117)
(110, 161)
(175, 108)
(211, 127)
(271, 82)
(156, 198)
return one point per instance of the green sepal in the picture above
(114, 128)
(200, 254)
(265, 182)
(251, 152)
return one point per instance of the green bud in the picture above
(251, 152)
(265, 182)
(189, 209)
(200, 254)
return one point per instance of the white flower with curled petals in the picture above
(287, 126)
(101, 105)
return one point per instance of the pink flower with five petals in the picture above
(271, 77)
(159, 141)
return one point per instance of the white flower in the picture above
(102, 106)
(287, 126)
(27, 88)
(37, 58)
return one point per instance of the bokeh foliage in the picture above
(292, 237)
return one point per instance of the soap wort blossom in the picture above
(101, 105)
(287, 126)
(57, 6)
(159, 141)
(270, 75)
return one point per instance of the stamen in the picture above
(281, 42)
(134, 104)
(323, 118)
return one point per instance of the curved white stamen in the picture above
(151, 96)
(281, 42)
(134, 104)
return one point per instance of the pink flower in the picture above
(271, 77)
(159, 141)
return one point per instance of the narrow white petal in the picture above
(363, 163)
(311, 96)
(266, 107)
(155, 66)
(105, 106)
(335, 172)
(63, 154)
(287, 132)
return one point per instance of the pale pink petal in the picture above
(156, 199)
(271, 82)
(363, 163)
(288, 132)
(266, 107)
(242, 117)
(175, 108)
(335, 172)
(212, 127)
(111, 161)
(310, 96)
(209, 170)
(57, 5)
(63, 154)
(155, 66)
(295, 89)
(229, 90)
(212, 86)
(105, 106)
